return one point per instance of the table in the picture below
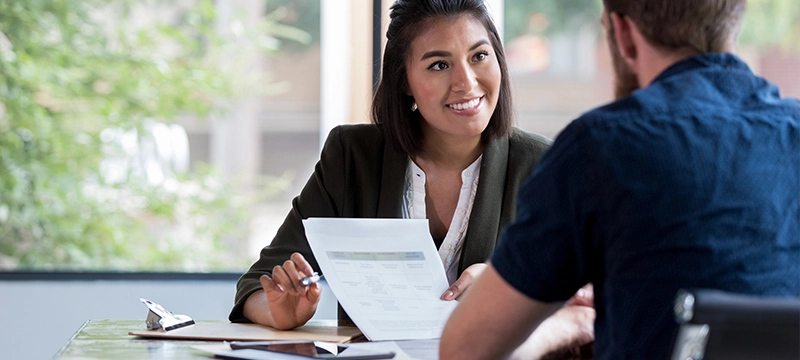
(109, 339)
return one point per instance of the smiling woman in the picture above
(454, 79)
(441, 148)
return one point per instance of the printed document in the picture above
(386, 274)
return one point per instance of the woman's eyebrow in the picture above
(435, 53)
(479, 43)
(441, 53)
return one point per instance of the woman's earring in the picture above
(413, 106)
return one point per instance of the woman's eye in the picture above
(439, 65)
(483, 55)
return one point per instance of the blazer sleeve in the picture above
(320, 197)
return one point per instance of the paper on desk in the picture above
(386, 274)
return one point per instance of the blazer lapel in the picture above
(390, 203)
(484, 220)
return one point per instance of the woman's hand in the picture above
(285, 302)
(464, 281)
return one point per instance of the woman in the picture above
(442, 148)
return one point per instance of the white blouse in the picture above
(414, 208)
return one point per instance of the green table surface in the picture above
(109, 339)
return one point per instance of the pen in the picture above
(311, 279)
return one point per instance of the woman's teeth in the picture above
(465, 106)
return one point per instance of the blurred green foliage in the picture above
(72, 69)
(303, 15)
(767, 23)
(561, 16)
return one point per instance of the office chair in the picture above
(718, 325)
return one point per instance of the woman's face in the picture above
(454, 77)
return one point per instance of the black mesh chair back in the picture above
(717, 325)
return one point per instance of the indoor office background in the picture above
(150, 149)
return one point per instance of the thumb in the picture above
(583, 297)
(314, 293)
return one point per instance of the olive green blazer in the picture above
(359, 176)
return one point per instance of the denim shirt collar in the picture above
(726, 60)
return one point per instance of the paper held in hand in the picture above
(386, 274)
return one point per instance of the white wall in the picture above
(38, 317)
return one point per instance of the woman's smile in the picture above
(468, 107)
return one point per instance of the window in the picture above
(150, 136)
(172, 135)
(560, 64)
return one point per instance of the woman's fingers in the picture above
(269, 285)
(464, 281)
(301, 264)
(453, 291)
(290, 303)
(294, 277)
(283, 278)
(288, 276)
(298, 268)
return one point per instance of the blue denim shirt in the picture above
(693, 181)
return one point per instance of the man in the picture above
(691, 179)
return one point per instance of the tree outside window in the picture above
(94, 170)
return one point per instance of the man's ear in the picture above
(623, 33)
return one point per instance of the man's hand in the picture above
(285, 302)
(564, 332)
(464, 281)
(584, 296)
(491, 320)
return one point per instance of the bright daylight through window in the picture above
(172, 135)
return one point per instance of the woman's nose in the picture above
(463, 78)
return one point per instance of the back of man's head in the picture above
(701, 25)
